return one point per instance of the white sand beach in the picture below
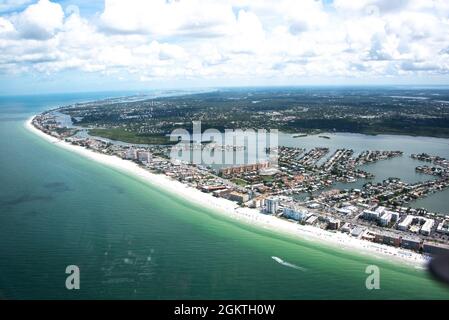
(253, 217)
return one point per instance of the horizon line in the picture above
(139, 91)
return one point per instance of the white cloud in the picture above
(167, 18)
(40, 20)
(6, 27)
(231, 39)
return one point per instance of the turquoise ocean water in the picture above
(131, 240)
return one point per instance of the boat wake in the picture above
(288, 264)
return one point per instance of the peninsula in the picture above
(296, 196)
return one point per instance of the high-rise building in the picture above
(131, 154)
(295, 214)
(272, 205)
(144, 156)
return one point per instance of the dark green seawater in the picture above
(131, 240)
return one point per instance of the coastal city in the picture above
(225, 159)
(376, 212)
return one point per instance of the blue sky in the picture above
(81, 45)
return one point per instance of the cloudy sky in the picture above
(89, 45)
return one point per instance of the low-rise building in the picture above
(357, 231)
(432, 248)
(368, 236)
(238, 197)
(313, 205)
(426, 229)
(212, 188)
(405, 224)
(312, 219)
(443, 227)
(347, 210)
(346, 228)
(370, 215)
(333, 224)
(388, 238)
(344, 211)
(380, 210)
(411, 243)
(257, 202)
(385, 219)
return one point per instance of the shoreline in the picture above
(385, 135)
(250, 217)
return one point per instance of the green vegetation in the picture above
(268, 178)
(423, 112)
(413, 127)
(120, 134)
(239, 182)
(66, 131)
